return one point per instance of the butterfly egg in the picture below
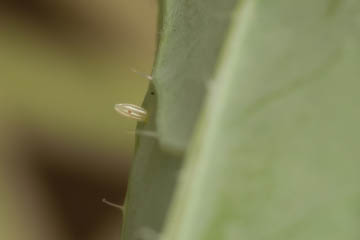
(132, 111)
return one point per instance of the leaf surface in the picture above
(276, 155)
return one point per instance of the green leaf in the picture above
(152, 181)
(191, 34)
(276, 152)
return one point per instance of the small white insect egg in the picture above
(132, 111)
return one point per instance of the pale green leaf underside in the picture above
(276, 153)
(152, 182)
(191, 35)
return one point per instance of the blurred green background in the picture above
(63, 66)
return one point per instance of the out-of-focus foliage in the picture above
(69, 83)
(63, 66)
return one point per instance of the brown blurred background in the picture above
(63, 65)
